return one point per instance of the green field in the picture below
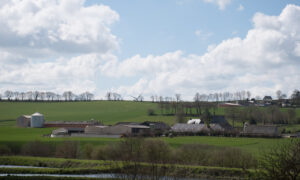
(108, 112)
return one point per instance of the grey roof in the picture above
(127, 123)
(136, 126)
(221, 120)
(179, 127)
(261, 130)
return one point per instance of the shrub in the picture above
(88, 149)
(151, 112)
(68, 149)
(5, 150)
(37, 148)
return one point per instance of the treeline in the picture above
(267, 115)
(46, 96)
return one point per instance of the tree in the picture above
(8, 94)
(278, 94)
(281, 162)
(295, 97)
(232, 113)
(178, 97)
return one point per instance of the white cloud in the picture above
(54, 45)
(45, 27)
(240, 8)
(266, 60)
(220, 3)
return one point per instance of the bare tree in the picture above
(22, 95)
(35, 95)
(178, 97)
(152, 98)
(278, 94)
(9, 94)
(108, 96)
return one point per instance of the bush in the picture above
(68, 149)
(4, 150)
(151, 112)
(37, 148)
(88, 149)
(281, 162)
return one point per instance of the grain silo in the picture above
(37, 120)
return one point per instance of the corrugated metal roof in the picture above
(189, 127)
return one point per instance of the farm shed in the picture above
(189, 128)
(194, 121)
(157, 127)
(71, 124)
(66, 131)
(23, 121)
(222, 122)
(37, 120)
(118, 130)
(260, 131)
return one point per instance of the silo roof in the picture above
(37, 114)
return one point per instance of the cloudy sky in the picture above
(150, 47)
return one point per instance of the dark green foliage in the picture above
(68, 149)
(282, 162)
(38, 148)
(5, 150)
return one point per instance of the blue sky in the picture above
(155, 27)
(150, 47)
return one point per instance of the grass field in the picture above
(108, 112)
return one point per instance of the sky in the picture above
(150, 47)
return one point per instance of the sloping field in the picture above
(108, 112)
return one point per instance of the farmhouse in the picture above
(260, 131)
(120, 129)
(24, 121)
(267, 100)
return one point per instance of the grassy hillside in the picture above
(108, 112)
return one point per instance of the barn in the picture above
(189, 128)
(120, 129)
(24, 121)
(260, 131)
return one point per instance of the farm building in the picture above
(128, 130)
(222, 122)
(260, 131)
(229, 105)
(157, 128)
(66, 131)
(37, 120)
(189, 128)
(267, 100)
(194, 121)
(23, 121)
(71, 124)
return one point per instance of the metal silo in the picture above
(37, 120)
